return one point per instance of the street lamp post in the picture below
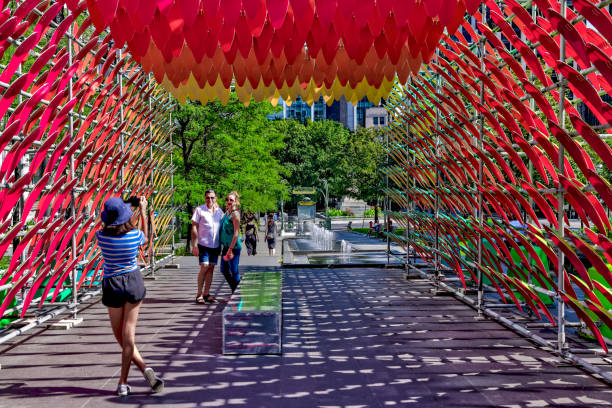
(326, 196)
(284, 182)
(282, 216)
(327, 219)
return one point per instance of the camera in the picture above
(134, 201)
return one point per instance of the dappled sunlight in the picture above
(497, 168)
(351, 337)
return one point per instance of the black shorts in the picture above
(127, 287)
(271, 243)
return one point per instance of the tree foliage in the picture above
(325, 150)
(315, 152)
(235, 147)
(227, 148)
(367, 155)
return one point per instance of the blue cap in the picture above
(116, 212)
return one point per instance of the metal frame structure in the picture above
(501, 105)
(73, 110)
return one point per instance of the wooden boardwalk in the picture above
(351, 338)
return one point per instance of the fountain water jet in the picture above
(346, 248)
(323, 238)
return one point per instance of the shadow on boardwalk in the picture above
(352, 338)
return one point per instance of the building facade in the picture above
(376, 117)
(364, 114)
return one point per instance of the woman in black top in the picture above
(250, 234)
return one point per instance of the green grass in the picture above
(596, 276)
(5, 262)
(334, 212)
(370, 212)
(399, 231)
(7, 319)
(180, 251)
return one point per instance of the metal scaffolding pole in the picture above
(150, 212)
(172, 186)
(121, 117)
(17, 211)
(561, 345)
(481, 48)
(386, 202)
(407, 229)
(437, 259)
(534, 16)
(73, 243)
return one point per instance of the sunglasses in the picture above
(230, 200)
(210, 198)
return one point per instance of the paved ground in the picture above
(352, 338)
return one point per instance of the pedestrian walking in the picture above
(205, 224)
(250, 234)
(229, 237)
(122, 285)
(270, 237)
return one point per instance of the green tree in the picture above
(315, 151)
(366, 158)
(350, 162)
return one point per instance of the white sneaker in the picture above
(123, 390)
(156, 383)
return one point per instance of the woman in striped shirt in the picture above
(122, 286)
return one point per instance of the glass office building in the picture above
(362, 107)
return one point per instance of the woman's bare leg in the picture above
(121, 318)
(130, 318)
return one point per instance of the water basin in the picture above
(308, 245)
(354, 258)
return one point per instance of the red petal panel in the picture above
(277, 11)
(230, 10)
(189, 10)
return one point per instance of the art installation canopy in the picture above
(279, 48)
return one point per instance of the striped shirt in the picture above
(120, 253)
